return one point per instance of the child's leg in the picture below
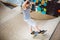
(36, 29)
(30, 29)
(33, 25)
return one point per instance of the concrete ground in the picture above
(13, 27)
(56, 34)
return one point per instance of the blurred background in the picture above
(13, 27)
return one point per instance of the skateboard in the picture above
(36, 33)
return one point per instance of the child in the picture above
(27, 18)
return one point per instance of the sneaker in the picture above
(42, 31)
(33, 32)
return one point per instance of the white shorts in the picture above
(31, 22)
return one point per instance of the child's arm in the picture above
(24, 5)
